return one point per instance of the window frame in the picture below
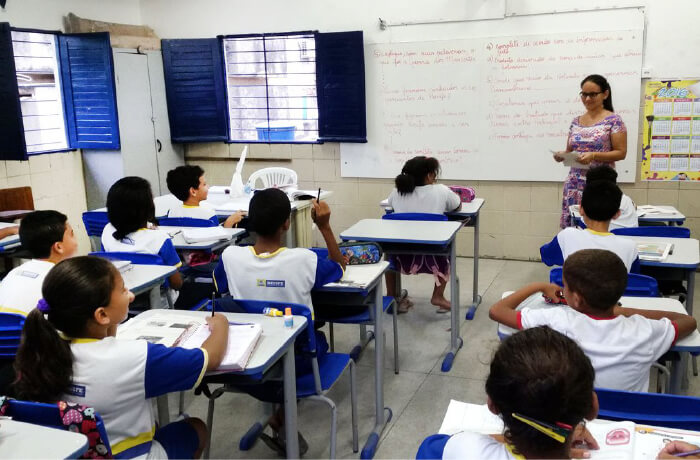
(222, 38)
(59, 85)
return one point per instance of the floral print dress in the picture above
(595, 138)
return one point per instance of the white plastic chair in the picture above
(273, 177)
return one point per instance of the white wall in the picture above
(57, 179)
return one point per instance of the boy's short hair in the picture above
(39, 230)
(268, 210)
(597, 275)
(601, 200)
(602, 172)
(182, 178)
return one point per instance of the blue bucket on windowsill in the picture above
(276, 131)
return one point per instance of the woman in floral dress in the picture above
(599, 136)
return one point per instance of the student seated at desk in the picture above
(621, 342)
(417, 191)
(189, 185)
(85, 299)
(49, 238)
(600, 203)
(628, 210)
(537, 377)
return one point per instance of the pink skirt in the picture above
(408, 264)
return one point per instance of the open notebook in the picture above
(202, 234)
(189, 332)
(617, 440)
(654, 251)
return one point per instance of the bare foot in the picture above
(442, 303)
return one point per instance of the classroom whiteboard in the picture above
(490, 108)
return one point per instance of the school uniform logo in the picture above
(270, 283)
(77, 390)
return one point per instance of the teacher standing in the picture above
(599, 136)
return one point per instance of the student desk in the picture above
(141, 278)
(363, 281)
(417, 237)
(210, 246)
(671, 215)
(298, 234)
(685, 257)
(275, 344)
(26, 440)
(9, 243)
(468, 213)
(689, 344)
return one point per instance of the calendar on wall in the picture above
(671, 135)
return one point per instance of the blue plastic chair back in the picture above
(654, 230)
(670, 411)
(11, 325)
(186, 222)
(432, 447)
(47, 415)
(133, 257)
(414, 216)
(637, 285)
(95, 222)
(231, 305)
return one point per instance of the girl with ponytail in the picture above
(69, 352)
(417, 191)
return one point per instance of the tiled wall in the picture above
(517, 219)
(57, 183)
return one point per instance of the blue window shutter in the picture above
(340, 81)
(89, 93)
(195, 89)
(12, 144)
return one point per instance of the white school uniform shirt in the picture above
(203, 211)
(477, 446)
(286, 275)
(118, 377)
(20, 290)
(432, 199)
(143, 241)
(574, 239)
(628, 215)
(621, 349)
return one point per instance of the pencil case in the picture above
(466, 194)
(361, 253)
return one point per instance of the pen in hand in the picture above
(213, 294)
(318, 198)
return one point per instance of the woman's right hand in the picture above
(672, 449)
(558, 158)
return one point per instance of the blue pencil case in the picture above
(361, 253)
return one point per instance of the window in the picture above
(41, 100)
(271, 86)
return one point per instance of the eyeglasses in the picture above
(591, 95)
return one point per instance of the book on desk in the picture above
(188, 332)
(654, 251)
(617, 440)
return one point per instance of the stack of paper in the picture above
(200, 235)
(242, 339)
(122, 265)
(654, 251)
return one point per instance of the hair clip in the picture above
(559, 431)
(43, 306)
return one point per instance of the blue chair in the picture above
(659, 231)
(324, 302)
(47, 415)
(11, 325)
(637, 285)
(187, 222)
(95, 222)
(671, 411)
(325, 371)
(432, 447)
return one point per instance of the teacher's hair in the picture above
(414, 173)
(604, 86)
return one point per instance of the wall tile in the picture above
(304, 169)
(545, 197)
(639, 196)
(491, 245)
(665, 185)
(327, 151)
(19, 181)
(371, 194)
(281, 151)
(516, 222)
(544, 224)
(207, 150)
(43, 186)
(17, 168)
(493, 194)
(689, 203)
(3, 169)
(690, 185)
(516, 198)
(324, 170)
(663, 196)
(465, 242)
(492, 221)
(40, 163)
(302, 151)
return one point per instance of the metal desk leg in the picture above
(455, 340)
(678, 374)
(690, 287)
(290, 404)
(382, 414)
(154, 297)
(476, 298)
(163, 410)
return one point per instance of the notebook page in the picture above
(477, 418)
(242, 339)
(197, 235)
(162, 329)
(615, 439)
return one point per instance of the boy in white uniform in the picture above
(621, 342)
(628, 210)
(189, 185)
(49, 238)
(600, 204)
